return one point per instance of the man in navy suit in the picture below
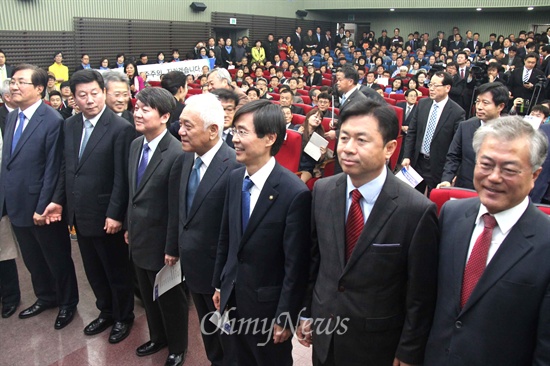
(493, 303)
(93, 191)
(263, 252)
(31, 159)
(6, 70)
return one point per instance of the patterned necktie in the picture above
(245, 201)
(430, 129)
(142, 164)
(193, 184)
(355, 223)
(478, 259)
(462, 73)
(526, 76)
(18, 131)
(88, 128)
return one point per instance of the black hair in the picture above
(85, 77)
(157, 98)
(227, 95)
(388, 124)
(499, 92)
(173, 80)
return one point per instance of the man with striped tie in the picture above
(523, 79)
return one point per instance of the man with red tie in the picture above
(374, 254)
(493, 303)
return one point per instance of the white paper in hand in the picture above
(166, 278)
(409, 176)
(313, 147)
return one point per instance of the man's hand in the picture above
(52, 213)
(216, 300)
(396, 362)
(112, 226)
(443, 184)
(126, 239)
(280, 334)
(303, 333)
(169, 260)
(406, 163)
(330, 135)
(39, 219)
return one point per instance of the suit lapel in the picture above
(8, 136)
(99, 130)
(513, 248)
(133, 163)
(445, 114)
(28, 131)
(338, 208)
(268, 196)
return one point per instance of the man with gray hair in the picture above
(8, 106)
(207, 162)
(220, 78)
(117, 87)
(493, 303)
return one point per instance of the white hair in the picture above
(209, 108)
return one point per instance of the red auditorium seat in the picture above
(390, 101)
(302, 92)
(395, 155)
(298, 119)
(154, 83)
(305, 107)
(275, 96)
(398, 97)
(441, 195)
(327, 82)
(290, 152)
(306, 99)
(194, 91)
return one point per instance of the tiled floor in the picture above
(34, 341)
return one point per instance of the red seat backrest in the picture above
(306, 99)
(424, 90)
(326, 82)
(154, 83)
(290, 152)
(543, 208)
(275, 96)
(302, 92)
(298, 119)
(397, 97)
(441, 195)
(390, 101)
(305, 107)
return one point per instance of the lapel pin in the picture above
(271, 198)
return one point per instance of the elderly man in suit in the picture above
(263, 251)
(374, 253)
(153, 173)
(31, 159)
(460, 162)
(117, 90)
(431, 131)
(93, 191)
(493, 306)
(207, 163)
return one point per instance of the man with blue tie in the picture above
(31, 159)
(263, 252)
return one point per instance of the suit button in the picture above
(458, 324)
(133, 206)
(76, 175)
(186, 227)
(341, 289)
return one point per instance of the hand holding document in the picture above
(166, 278)
(314, 145)
(409, 176)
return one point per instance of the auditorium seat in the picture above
(327, 82)
(298, 119)
(390, 101)
(305, 107)
(302, 92)
(275, 96)
(154, 83)
(398, 97)
(306, 99)
(441, 195)
(290, 152)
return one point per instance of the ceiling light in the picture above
(479, 9)
(392, 9)
(530, 8)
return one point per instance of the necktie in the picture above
(88, 128)
(355, 223)
(478, 259)
(245, 201)
(193, 184)
(18, 131)
(343, 99)
(526, 76)
(430, 129)
(462, 73)
(408, 111)
(142, 164)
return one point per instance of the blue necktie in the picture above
(142, 164)
(18, 131)
(430, 129)
(245, 201)
(193, 183)
(88, 128)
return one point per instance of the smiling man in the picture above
(493, 306)
(117, 92)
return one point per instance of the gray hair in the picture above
(115, 77)
(510, 128)
(221, 74)
(5, 87)
(209, 108)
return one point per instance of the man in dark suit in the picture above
(379, 280)
(296, 40)
(286, 98)
(176, 83)
(6, 70)
(475, 45)
(207, 163)
(8, 104)
(431, 131)
(383, 40)
(492, 301)
(229, 102)
(93, 190)
(460, 161)
(263, 252)
(153, 173)
(439, 42)
(117, 97)
(84, 63)
(327, 41)
(31, 159)
(523, 79)
(408, 106)
(492, 44)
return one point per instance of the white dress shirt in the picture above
(259, 178)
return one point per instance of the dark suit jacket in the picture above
(515, 83)
(174, 121)
(456, 46)
(297, 110)
(461, 158)
(447, 125)
(3, 115)
(387, 289)
(542, 182)
(507, 317)
(152, 216)
(96, 186)
(29, 175)
(199, 230)
(296, 43)
(495, 46)
(476, 48)
(403, 105)
(9, 70)
(128, 116)
(384, 42)
(371, 93)
(266, 266)
(435, 44)
(317, 80)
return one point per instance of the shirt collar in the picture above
(94, 120)
(154, 142)
(441, 104)
(351, 91)
(260, 177)
(508, 218)
(29, 112)
(208, 156)
(371, 190)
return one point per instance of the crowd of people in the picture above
(183, 172)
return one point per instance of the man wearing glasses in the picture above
(118, 94)
(431, 130)
(31, 160)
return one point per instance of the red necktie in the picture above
(355, 223)
(478, 259)
(462, 73)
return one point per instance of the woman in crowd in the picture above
(258, 53)
(282, 48)
(396, 87)
(228, 54)
(136, 82)
(104, 64)
(413, 85)
(415, 67)
(309, 167)
(60, 71)
(239, 76)
(160, 57)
